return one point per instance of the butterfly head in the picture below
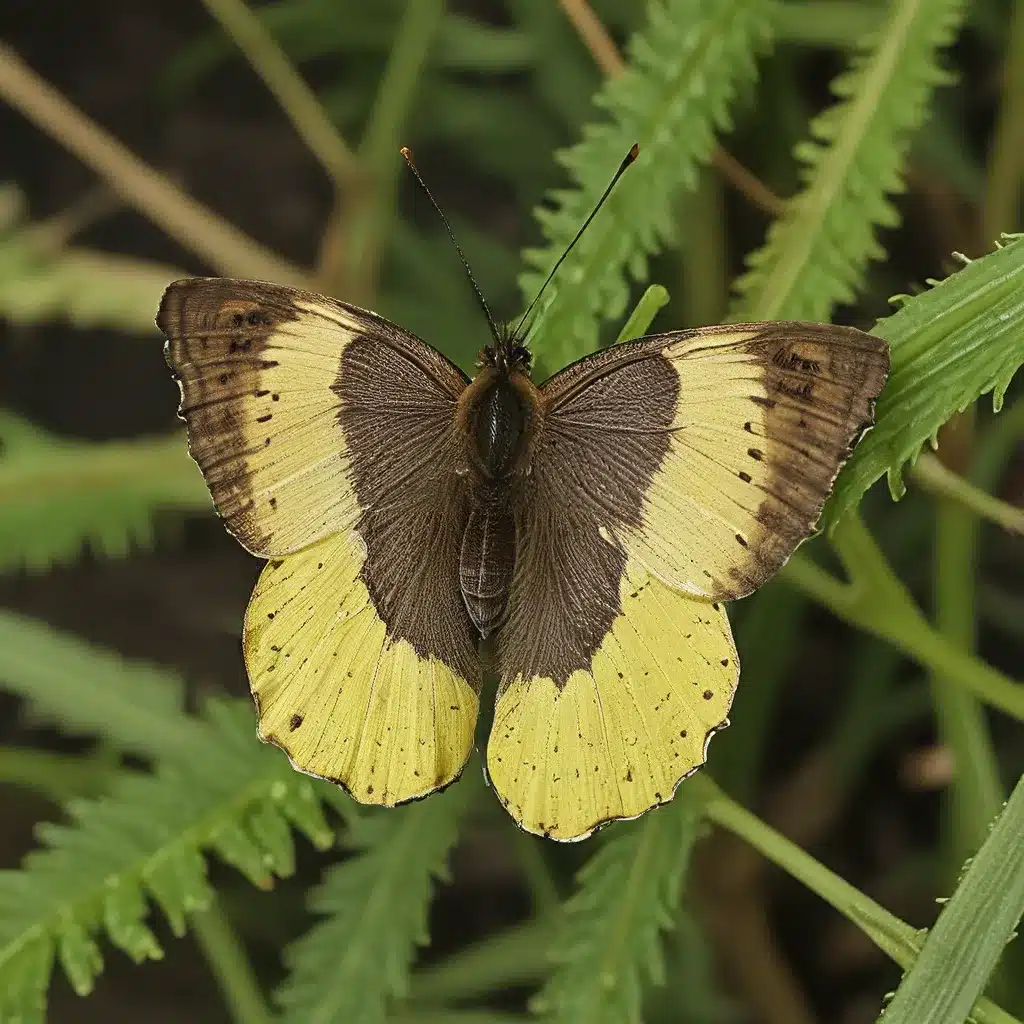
(507, 355)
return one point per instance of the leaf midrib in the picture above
(832, 171)
(81, 907)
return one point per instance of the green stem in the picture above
(975, 794)
(1006, 159)
(231, 967)
(877, 601)
(58, 777)
(517, 956)
(279, 75)
(894, 937)
(189, 223)
(356, 259)
(996, 447)
(543, 891)
(942, 482)
(705, 253)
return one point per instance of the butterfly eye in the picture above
(521, 356)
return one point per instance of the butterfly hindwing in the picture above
(570, 752)
(611, 683)
(325, 434)
(349, 701)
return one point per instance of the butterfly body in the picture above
(499, 418)
(591, 527)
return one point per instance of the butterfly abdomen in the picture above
(499, 418)
(488, 558)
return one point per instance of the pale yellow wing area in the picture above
(263, 395)
(750, 422)
(616, 738)
(344, 699)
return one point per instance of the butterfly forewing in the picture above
(326, 430)
(755, 421)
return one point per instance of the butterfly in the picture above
(580, 537)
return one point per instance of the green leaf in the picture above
(638, 323)
(93, 691)
(685, 68)
(950, 344)
(348, 968)
(312, 29)
(964, 946)
(42, 280)
(894, 937)
(816, 252)
(610, 941)
(832, 23)
(58, 495)
(146, 839)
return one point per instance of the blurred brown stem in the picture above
(607, 57)
(290, 90)
(730, 893)
(1006, 153)
(353, 243)
(191, 224)
(57, 231)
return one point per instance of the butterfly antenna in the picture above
(633, 153)
(406, 153)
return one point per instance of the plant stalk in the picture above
(192, 225)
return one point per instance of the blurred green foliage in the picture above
(840, 120)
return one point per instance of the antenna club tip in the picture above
(406, 152)
(634, 152)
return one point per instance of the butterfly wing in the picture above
(754, 420)
(387, 713)
(670, 473)
(259, 367)
(325, 434)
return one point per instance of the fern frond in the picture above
(685, 68)
(960, 339)
(56, 495)
(146, 842)
(816, 252)
(349, 967)
(41, 280)
(964, 946)
(92, 691)
(610, 941)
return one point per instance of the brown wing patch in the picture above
(413, 505)
(594, 461)
(217, 334)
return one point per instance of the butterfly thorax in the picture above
(499, 417)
